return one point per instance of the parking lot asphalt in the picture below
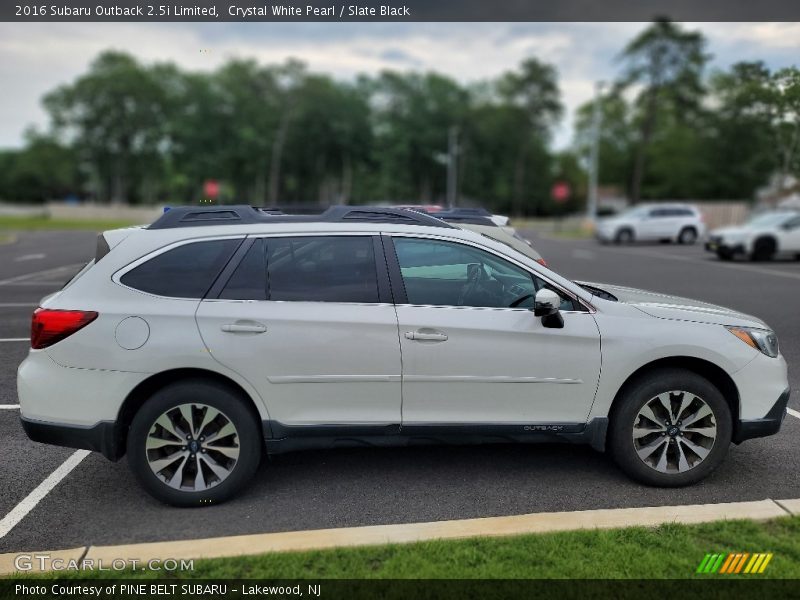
(99, 502)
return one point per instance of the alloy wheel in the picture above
(192, 447)
(674, 432)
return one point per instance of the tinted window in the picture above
(322, 269)
(450, 274)
(249, 280)
(183, 272)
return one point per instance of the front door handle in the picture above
(426, 336)
(244, 328)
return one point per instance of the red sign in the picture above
(211, 188)
(560, 191)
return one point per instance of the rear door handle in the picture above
(244, 328)
(426, 336)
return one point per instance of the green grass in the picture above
(668, 551)
(45, 223)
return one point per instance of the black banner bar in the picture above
(706, 587)
(398, 10)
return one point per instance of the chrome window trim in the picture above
(589, 308)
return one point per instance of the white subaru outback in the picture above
(198, 342)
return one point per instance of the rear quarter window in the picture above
(183, 272)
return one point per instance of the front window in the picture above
(441, 273)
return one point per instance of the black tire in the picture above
(198, 392)
(624, 236)
(688, 236)
(764, 248)
(637, 394)
(724, 254)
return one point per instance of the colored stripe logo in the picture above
(736, 562)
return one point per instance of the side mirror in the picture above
(546, 305)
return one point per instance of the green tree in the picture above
(533, 89)
(114, 117)
(666, 63)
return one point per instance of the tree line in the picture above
(281, 134)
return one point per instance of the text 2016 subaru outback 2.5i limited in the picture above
(197, 342)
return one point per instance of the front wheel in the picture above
(672, 428)
(687, 236)
(194, 443)
(624, 236)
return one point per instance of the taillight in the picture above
(541, 261)
(51, 326)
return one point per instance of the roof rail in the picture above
(198, 216)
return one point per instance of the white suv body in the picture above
(763, 237)
(675, 222)
(193, 347)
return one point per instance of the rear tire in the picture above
(669, 449)
(225, 448)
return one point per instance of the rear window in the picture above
(183, 272)
(322, 269)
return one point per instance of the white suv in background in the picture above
(763, 237)
(682, 223)
(214, 334)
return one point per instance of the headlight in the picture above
(762, 340)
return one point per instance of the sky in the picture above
(37, 57)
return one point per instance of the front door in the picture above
(474, 353)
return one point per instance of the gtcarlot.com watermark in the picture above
(46, 562)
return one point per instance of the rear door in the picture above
(308, 320)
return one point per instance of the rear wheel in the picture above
(194, 443)
(672, 428)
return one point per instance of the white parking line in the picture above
(27, 339)
(9, 406)
(54, 271)
(25, 257)
(37, 495)
(794, 413)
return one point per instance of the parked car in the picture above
(682, 223)
(485, 226)
(763, 237)
(196, 343)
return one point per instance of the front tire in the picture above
(624, 236)
(687, 236)
(671, 428)
(764, 249)
(194, 443)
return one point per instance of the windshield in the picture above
(768, 219)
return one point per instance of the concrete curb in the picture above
(414, 532)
